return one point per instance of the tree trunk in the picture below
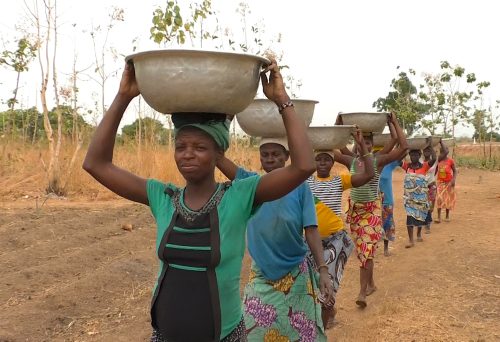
(13, 103)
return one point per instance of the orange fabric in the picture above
(422, 171)
(445, 170)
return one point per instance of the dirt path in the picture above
(70, 273)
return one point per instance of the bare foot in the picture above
(387, 253)
(447, 219)
(427, 231)
(419, 239)
(370, 290)
(437, 221)
(361, 302)
(331, 319)
(410, 245)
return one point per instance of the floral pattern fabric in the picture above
(284, 310)
(416, 196)
(446, 196)
(365, 219)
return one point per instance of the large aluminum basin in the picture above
(177, 81)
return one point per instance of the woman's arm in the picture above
(444, 148)
(398, 152)
(389, 146)
(345, 156)
(455, 173)
(281, 181)
(99, 159)
(369, 171)
(342, 158)
(227, 167)
(433, 156)
(314, 242)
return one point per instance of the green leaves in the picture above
(173, 24)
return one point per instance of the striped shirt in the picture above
(368, 192)
(328, 201)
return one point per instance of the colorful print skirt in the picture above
(446, 196)
(366, 228)
(284, 310)
(336, 250)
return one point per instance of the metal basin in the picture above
(262, 119)
(435, 139)
(449, 142)
(381, 139)
(330, 137)
(368, 122)
(177, 81)
(418, 143)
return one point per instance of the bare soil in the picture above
(70, 272)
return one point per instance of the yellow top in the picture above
(328, 200)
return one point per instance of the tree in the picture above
(101, 52)
(150, 129)
(19, 61)
(172, 25)
(457, 95)
(403, 100)
(22, 121)
(432, 99)
(46, 27)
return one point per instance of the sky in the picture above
(345, 53)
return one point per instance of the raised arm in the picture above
(369, 171)
(455, 174)
(345, 156)
(389, 146)
(433, 155)
(99, 159)
(398, 152)
(342, 158)
(444, 149)
(281, 181)
(227, 167)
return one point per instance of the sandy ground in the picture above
(69, 272)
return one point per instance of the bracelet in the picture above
(282, 106)
(322, 266)
(366, 155)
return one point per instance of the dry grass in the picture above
(22, 168)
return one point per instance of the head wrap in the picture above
(279, 141)
(215, 125)
(328, 152)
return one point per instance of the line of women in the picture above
(290, 220)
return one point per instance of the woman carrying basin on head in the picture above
(200, 227)
(416, 194)
(446, 178)
(327, 190)
(282, 298)
(364, 215)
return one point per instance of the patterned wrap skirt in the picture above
(365, 220)
(284, 310)
(446, 196)
(336, 250)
